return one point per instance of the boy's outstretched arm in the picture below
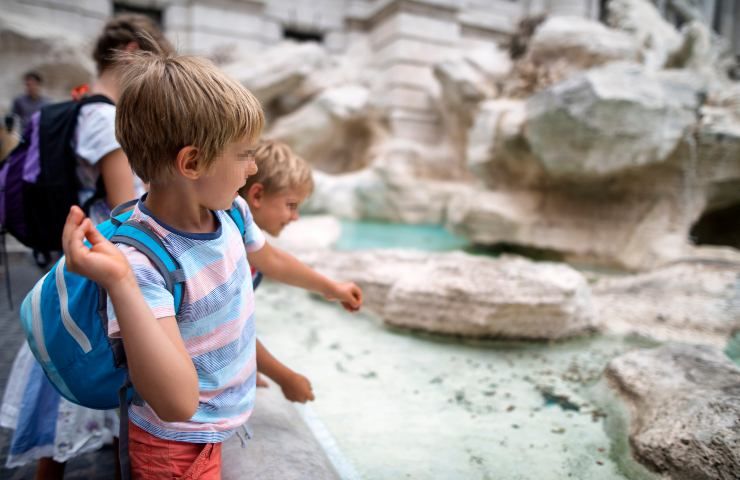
(295, 386)
(283, 267)
(159, 366)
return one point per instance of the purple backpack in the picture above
(38, 182)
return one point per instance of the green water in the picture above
(371, 235)
(365, 235)
(733, 348)
(401, 405)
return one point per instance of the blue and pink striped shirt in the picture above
(216, 321)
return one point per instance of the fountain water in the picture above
(401, 405)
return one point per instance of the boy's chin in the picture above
(228, 204)
(225, 205)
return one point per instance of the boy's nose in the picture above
(251, 170)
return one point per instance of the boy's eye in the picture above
(293, 206)
(248, 155)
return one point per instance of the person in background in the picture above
(30, 102)
(46, 427)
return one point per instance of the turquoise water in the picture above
(404, 405)
(401, 405)
(733, 348)
(370, 235)
(365, 235)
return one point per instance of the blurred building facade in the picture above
(400, 32)
(216, 27)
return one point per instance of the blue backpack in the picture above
(66, 323)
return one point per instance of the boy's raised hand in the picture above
(103, 262)
(349, 294)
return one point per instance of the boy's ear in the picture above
(187, 163)
(131, 47)
(255, 194)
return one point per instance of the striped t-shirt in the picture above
(216, 321)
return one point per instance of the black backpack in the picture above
(38, 182)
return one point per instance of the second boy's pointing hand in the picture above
(349, 294)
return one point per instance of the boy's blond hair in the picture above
(278, 168)
(170, 102)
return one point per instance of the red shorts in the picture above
(153, 458)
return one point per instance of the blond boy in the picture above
(188, 131)
(282, 183)
(274, 194)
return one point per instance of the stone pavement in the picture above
(23, 274)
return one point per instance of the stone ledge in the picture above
(282, 447)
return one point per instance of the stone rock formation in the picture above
(584, 144)
(610, 120)
(613, 165)
(693, 301)
(460, 294)
(334, 131)
(281, 70)
(464, 82)
(684, 409)
(658, 38)
(313, 232)
(581, 43)
(579, 140)
(497, 133)
(717, 150)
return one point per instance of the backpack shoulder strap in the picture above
(56, 127)
(236, 215)
(117, 216)
(137, 235)
(58, 120)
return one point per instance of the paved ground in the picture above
(23, 274)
